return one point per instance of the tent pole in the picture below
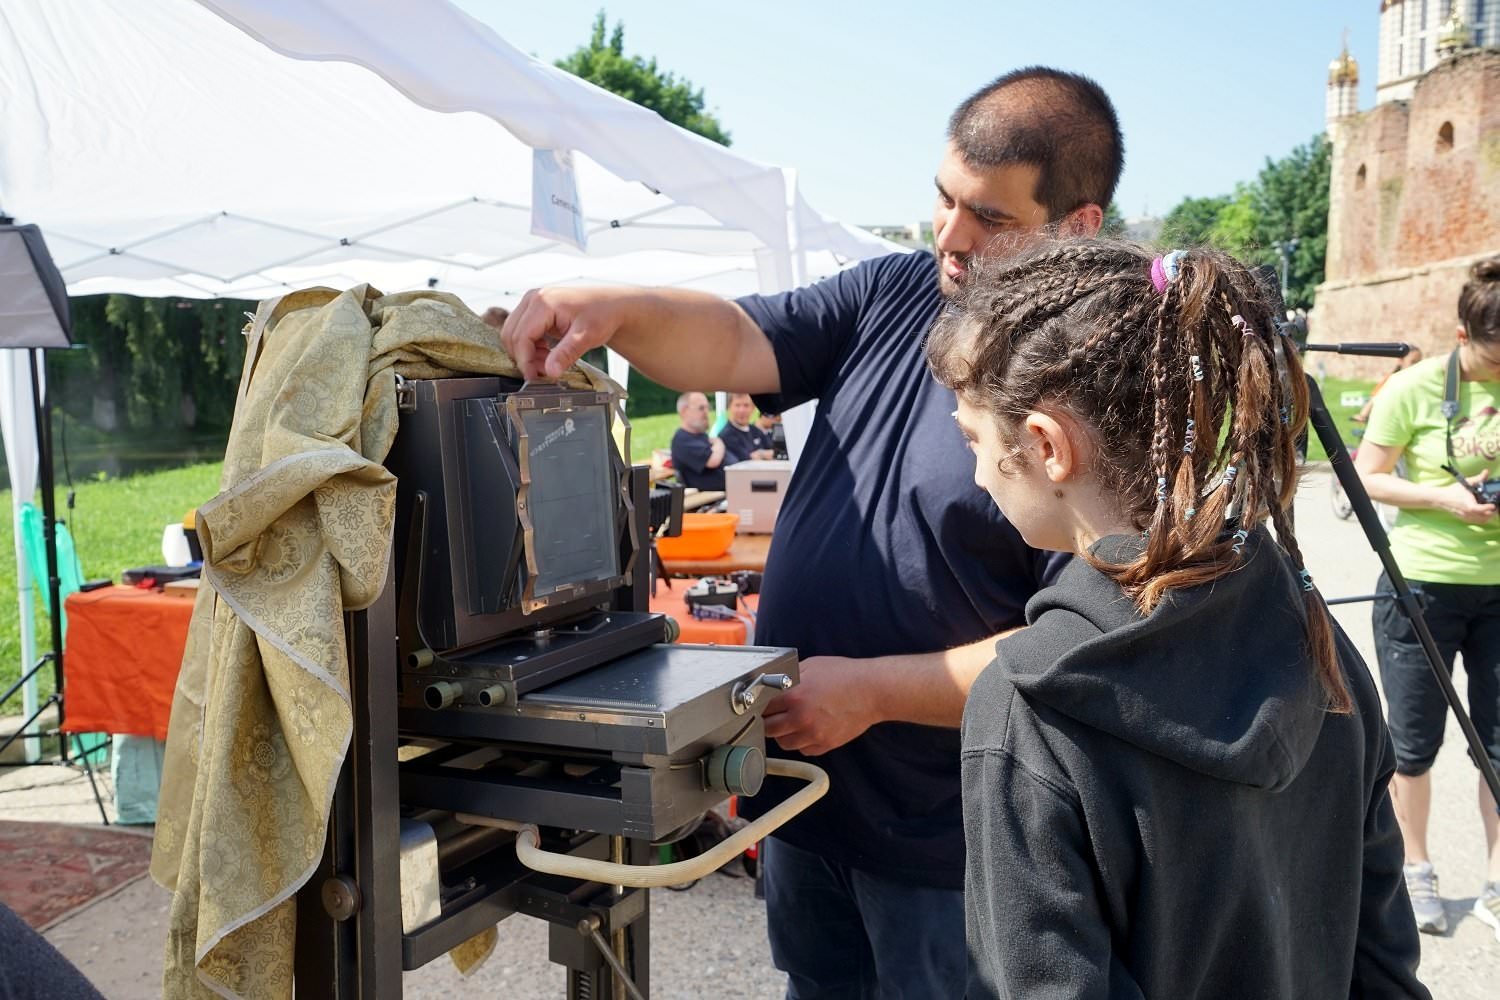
(49, 534)
(28, 630)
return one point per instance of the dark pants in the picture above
(841, 933)
(1462, 618)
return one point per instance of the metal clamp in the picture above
(406, 395)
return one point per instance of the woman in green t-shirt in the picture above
(1447, 540)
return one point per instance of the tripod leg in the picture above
(88, 769)
(1374, 530)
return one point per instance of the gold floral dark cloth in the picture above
(299, 534)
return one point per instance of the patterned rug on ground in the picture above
(50, 869)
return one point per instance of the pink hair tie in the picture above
(1158, 276)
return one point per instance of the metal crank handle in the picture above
(530, 854)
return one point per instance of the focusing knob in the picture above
(736, 770)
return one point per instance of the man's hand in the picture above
(839, 698)
(553, 327)
(762, 454)
(1459, 502)
(830, 707)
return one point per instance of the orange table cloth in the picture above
(120, 659)
(733, 632)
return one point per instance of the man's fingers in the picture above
(803, 744)
(524, 330)
(578, 340)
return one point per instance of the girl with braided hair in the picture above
(1175, 777)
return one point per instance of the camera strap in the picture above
(1450, 413)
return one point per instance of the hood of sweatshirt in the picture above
(1218, 678)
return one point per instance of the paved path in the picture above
(711, 941)
(1465, 963)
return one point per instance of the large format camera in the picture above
(550, 730)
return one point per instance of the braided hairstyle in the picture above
(1192, 425)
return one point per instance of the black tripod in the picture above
(39, 318)
(1374, 530)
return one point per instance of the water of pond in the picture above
(125, 456)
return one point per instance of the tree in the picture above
(1114, 222)
(606, 65)
(1191, 222)
(1291, 200)
(1287, 200)
(153, 365)
(1234, 229)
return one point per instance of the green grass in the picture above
(116, 524)
(1333, 391)
(651, 432)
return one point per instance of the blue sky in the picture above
(856, 94)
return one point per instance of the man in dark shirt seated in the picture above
(742, 439)
(698, 459)
(775, 431)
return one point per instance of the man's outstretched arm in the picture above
(682, 339)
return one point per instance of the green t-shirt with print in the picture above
(1433, 545)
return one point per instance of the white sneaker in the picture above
(1426, 905)
(1487, 907)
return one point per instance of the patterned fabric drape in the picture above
(299, 534)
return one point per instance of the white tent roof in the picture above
(164, 150)
(246, 147)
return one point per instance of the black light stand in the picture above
(34, 315)
(1374, 530)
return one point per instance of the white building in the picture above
(1413, 31)
(1343, 88)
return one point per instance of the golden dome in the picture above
(1454, 34)
(1343, 69)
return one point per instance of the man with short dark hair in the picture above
(889, 572)
(743, 440)
(697, 458)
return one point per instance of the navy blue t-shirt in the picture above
(883, 546)
(690, 455)
(738, 444)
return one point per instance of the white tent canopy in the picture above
(248, 147)
(164, 151)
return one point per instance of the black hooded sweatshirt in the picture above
(1161, 807)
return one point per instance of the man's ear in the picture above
(1057, 444)
(1463, 335)
(1084, 221)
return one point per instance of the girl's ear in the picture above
(1059, 444)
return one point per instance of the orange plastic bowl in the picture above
(704, 536)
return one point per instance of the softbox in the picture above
(33, 299)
